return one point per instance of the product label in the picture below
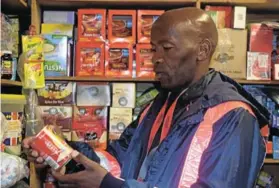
(34, 75)
(258, 66)
(90, 59)
(147, 22)
(92, 25)
(118, 59)
(146, 60)
(7, 67)
(33, 47)
(122, 26)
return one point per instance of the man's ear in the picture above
(205, 49)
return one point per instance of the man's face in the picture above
(174, 55)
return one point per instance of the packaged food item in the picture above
(6, 65)
(226, 9)
(34, 77)
(146, 18)
(264, 180)
(276, 71)
(119, 60)
(275, 140)
(90, 59)
(124, 95)
(230, 54)
(147, 97)
(239, 21)
(67, 135)
(144, 61)
(57, 93)
(58, 29)
(33, 46)
(258, 66)
(57, 151)
(122, 26)
(97, 94)
(119, 119)
(61, 116)
(219, 18)
(92, 25)
(56, 51)
(269, 147)
(62, 17)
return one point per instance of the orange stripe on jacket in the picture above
(201, 140)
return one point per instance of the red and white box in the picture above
(144, 61)
(56, 152)
(258, 66)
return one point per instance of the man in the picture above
(202, 130)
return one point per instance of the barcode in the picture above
(53, 164)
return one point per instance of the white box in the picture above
(63, 17)
(258, 66)
(276, 71)
(124, 95)
(239, 17)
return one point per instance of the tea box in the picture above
(144, 65)
(124, 95)
(58, 29)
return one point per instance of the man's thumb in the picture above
(80, 158)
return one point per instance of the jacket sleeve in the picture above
(235, 154)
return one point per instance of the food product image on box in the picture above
(62, 17)
(97, 94)
(57, 151)
(258, 66)
(230, 54)
(119, 119)
(55, 51)
(219, 18)
(58, 29)
(60, 116)
(144, 61)
(34, 77)
(56, 93)
(226, 9)
(92, 25)
(33, 47)
(145, 20)
(124, 95)
(119, 60)
(90, 59)
(122, 26)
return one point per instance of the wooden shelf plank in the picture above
(99, 79)
(271, 161)
(261, 82)
(10, 83)
(14, 4)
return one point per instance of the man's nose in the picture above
(157, 59)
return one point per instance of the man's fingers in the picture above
(80, 158)
(34, 153)
(40, 160)
(67, 178)
(26, 143)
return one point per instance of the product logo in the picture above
(223, 58)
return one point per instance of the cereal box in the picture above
(57, 152)
(226, 9)
(146, 18)
(119, 119)
(144, 61)
(57, 93)
(119, 60)
(34, 77)
(55, 51)
(58, 29)
(122, 26)
(124, 95)
(258, 66)
(89, 94)
(90, 59)
(60, 116)
(92, 25)
(33, 47)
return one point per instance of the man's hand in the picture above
(91, 177)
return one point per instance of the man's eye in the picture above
(167, 47)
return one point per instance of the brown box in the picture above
(230, 54)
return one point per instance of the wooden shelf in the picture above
(258, 82)
(14, 4)
(99, 79)
(271, 161)
(10, 83)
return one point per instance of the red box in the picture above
(90, 59)
(122, 26)
(119, 60)
(261, 37)
(146, 18)
(57, 152)
(144, 61)
(269, 147)
(265, 131)
(228, 13)
(92, 25)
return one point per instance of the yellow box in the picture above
(58, 29)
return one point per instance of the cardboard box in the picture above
(124, 95)
(60, 116)
(276, 71)
(145, 20)
(92, 25)
(56, 51)
(144, 61)
(62, 17)
(58, 29)
(239, 21)
(219, 18)
(269, 147)
(57, 93)
(97, 94)
(226, 9)
(122, 26)
(261, 37)
(119, 60)
(119, 119)
(90, 59)
(230, 53)
(275, 140)
(258, 66)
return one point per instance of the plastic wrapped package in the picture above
(13, 169)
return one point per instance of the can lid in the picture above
(6, 52)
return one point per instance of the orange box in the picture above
(90, 59)
(146, 18)
(119, 60)
(269, 147)
(122, 26)
(144, 61)
(92, 25)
